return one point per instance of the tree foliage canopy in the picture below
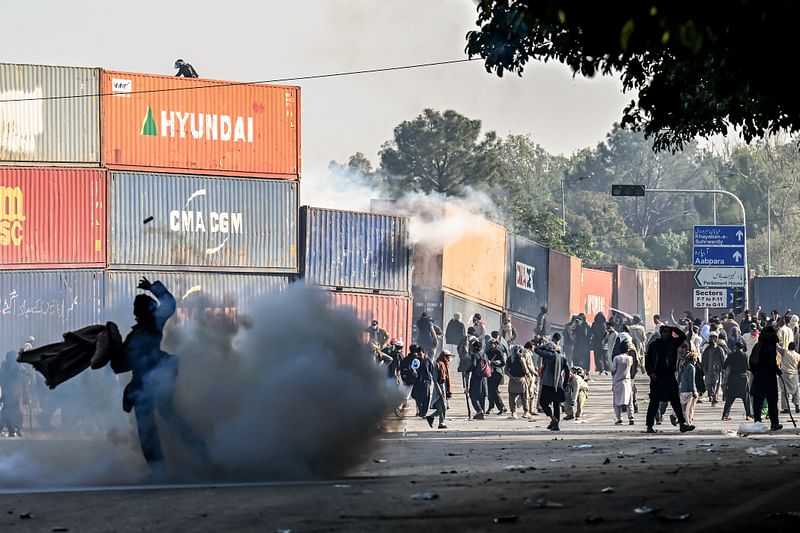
(698, 67)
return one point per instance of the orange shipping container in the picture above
(475, 264)
(393, 313)
(597, 289)
(171, 124)
(564, 293)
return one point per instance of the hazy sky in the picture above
(239, 40)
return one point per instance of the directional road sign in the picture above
(718, 256)
(719, 277)
(712, 298)
(719, 235)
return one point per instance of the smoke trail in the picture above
(290, 393)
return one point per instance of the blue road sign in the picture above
(719, 235)
(718, 256)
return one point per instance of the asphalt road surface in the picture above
(496, 474)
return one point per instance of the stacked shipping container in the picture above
(189, 230)
(364, 259)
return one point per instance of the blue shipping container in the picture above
(47, 303)
(527, 277)
(201, 222)
(231, 295)
(355, 251)
(776, 292)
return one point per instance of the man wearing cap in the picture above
(441, 389)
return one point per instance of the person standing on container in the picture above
(185, 69)
(154, 373)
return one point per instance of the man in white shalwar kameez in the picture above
(622, 386)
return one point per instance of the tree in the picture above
(698, 67)
(439, 152)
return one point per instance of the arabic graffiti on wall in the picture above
(23, 306)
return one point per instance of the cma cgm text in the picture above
(197, 222)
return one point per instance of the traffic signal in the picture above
(627, 190)
(738, 301)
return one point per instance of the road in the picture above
(478, 471)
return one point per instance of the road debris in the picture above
(582, 446)
(705, 444)
(746, 428)
(509, 519)
(26, 516)
(762, 451)
(542, 503)
(379, 461)
(644, 509)
(424, 496)
(607, 461)
(607, 490)
(342, 486)
(675, 517)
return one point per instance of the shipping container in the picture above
(525, 328)
(47, 303)
(473, 265)
(393, 313)
(49, 115)
(776, 292)
(430, 301)
(564, 292)
(455, 304)
(597, 288)
(202, 222)
(676, 288)
(625, 287)
(649, 296)
(172, 124)
(52, 218)
(355, 251)
(527, 276)
(230, 296)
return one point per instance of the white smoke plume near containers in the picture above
(289, 393)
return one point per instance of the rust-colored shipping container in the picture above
(625, 295)
(564, 293)
(172, 124)
(52, 218)
(597, 289)
(676, 290)
(475, 264)
(393, 313)
(525, 328)
(649, 297)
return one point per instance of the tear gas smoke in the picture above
(289, 392)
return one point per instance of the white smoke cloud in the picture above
(289, 393)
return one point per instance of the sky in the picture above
(248, 41)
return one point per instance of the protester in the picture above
(789, 363)
(507, 331)
(478, 373)
(598, 342)
(497, 362)
(455, 330)
(428, 335)
(712, 360)
(737, 385)
(377, 335)
(622, 386)
(542, 322)
(576, 392)
(519, 374)
(764, 366)
(582, 347)
(423, 387)
(555, 375)
(688, 385)
(441, 389)
(11, 390)
(534, 381)
(660, 364)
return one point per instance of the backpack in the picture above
(484, 368)
(699, 380)
(407, 374)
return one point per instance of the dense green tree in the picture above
(697, 68)
(439, 152)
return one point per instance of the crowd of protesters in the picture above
(687, 361)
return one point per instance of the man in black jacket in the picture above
(660, 364)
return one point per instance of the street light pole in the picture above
(769, 233)
(744, 223)
(563, 208)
